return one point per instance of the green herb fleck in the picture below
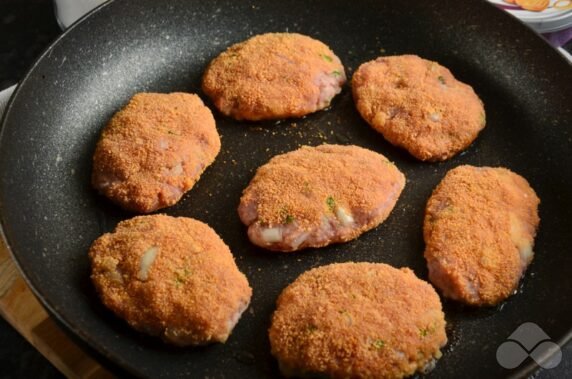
(306, 188)
(378, 344)
(312, 328)
(441, 80)
(285, 215)
(327, 58)
(331, 203)
(346, 316)
(424, 332)
(181, 276)
(336, 73)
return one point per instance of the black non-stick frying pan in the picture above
(50, 214)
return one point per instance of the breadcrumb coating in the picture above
(479, 229)
(170, 277)
(329, 193)
(357, 320)
(154, 150)
(273, 76)
(418, 105)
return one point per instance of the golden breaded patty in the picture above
(418, 105)
(273, 76)
(357, 320)
(154, 150)
(479, 230)
(315, 196)
(170, 277)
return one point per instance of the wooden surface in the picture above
(21, 309)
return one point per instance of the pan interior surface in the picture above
(50, 214)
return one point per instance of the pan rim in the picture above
(83, 338)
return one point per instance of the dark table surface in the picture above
(27, 27)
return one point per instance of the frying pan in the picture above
(50, 215)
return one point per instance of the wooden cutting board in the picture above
(22, 310)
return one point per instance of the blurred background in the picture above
(27, 27)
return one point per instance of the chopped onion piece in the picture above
(436, 117)
(518, 235)
(345, 218)
(526, 254)
(299, 240)
(271, 235)
(115, 276)
(146, 262)
(177, 170)
(163, 144)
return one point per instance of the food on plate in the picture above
(315, 196)
(274, 76)
(533, 5)
(418, 105)
(171, 277)
(479, 229)
(357, 320)
(563, 4)
(154, 150)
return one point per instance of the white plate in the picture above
(549, 20)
